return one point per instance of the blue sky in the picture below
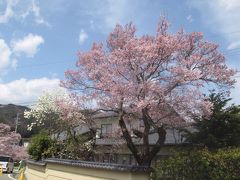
(39, 40)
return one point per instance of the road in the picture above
(5, 177)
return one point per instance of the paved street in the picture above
(5, 177)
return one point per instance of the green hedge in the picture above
(200, 165)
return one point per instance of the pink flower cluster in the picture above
(9, 143)
(164, 73)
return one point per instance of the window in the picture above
(106, 129)
(106, 158)
(4, 159)
(96, 158)
(113, 158)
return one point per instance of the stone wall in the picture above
(57, 169)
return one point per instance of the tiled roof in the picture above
(39, 163)
(88, 164)
(104, 115)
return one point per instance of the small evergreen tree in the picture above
(221, 129)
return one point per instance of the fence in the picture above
(59, 169)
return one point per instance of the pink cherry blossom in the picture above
(9, 143)
(159, 79)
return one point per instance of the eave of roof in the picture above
(96, 165)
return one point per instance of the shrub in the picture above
(200, 165)
(78, 146)
(41, 146)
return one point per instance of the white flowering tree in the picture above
(57, 112)
(44, 113)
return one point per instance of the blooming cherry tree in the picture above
(9, 143)
(157, 80)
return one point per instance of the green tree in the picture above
(221, 129)
(41, 146)
(76, 146)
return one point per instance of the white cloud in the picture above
(20, 10)
(8, 13)
(235, 93)
(116, 12)
(14, 63)
(82, 36)
(28, 45)
(106, 14)
(233, 45)
(5, 57)
(223, 17)
(24, 91)
(92, 25)
(9, 55)
(190, 18)
(35, 9)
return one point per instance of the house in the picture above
(113, 150)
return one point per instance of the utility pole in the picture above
(16, 122)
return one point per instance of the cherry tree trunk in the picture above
(144, 157)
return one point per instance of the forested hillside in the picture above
(8, 115)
